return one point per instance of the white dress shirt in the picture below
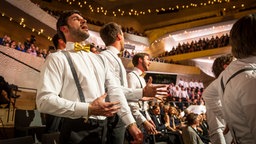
(201, 85)
(136, 81)
(94, 76)
(214, 114)
(191, 84)
(117, 68)
(238, 101)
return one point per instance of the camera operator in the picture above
(5, 93)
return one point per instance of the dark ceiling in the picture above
(153, 17)
(151, 14)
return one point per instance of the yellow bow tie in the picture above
(143, 74)
(78, 47)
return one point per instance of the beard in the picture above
(78, 34)
(144, 65)
(122, 46)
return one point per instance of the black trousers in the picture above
(116, 130)
(76, 131)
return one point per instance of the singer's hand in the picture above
(101, 108)
(151, 91)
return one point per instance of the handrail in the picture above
(27, 88)
(19, 61)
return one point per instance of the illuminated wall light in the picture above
(20, 23)
(10, 18)
(70, 3)
(24, 25)
(242, 5)
(234, 7)
(190, 5)
(3, 14)
(33, 29)
(39, 33)
(22, 19)
(41, 30)
(224, 9)
(81, 6)
(130, 13)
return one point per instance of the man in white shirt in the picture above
(141, 63)
(238, 100)
(213, 105)
(113, 38)
(56, 79)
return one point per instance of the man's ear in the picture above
(225, 65)
(140, 60)
(64, 29)
(119, 36)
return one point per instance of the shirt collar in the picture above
(248, 59)
(137, 70)
(113, 50)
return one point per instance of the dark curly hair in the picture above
(219, 62)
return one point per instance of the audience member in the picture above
(213, 105)
(190, 133)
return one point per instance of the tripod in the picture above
(14, 96)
